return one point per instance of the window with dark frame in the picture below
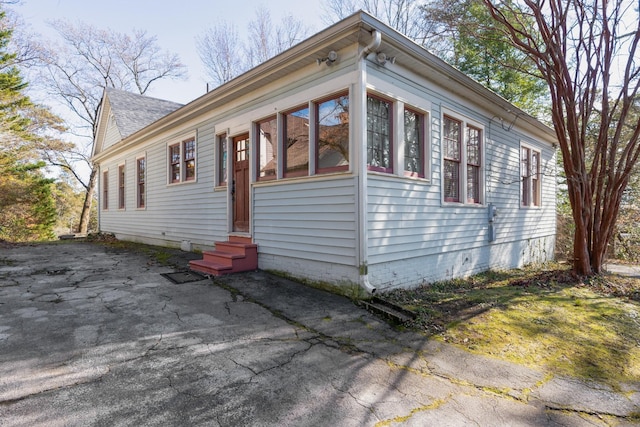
(121, 182)
(296, 142)
(530, 177)
(140, 176)
(474, 144)
(105, 190)
(174, 163)
(414, 149)
(267, 148)
(379, 131)
(189, 150)
(452, 135)
(332, 134)
(182, 161)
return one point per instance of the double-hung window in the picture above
(414, 145)
(141, 172)
(379, 134)
(182, 161)
(530, 177)
(462, 152)
(121, 182)
(105, 190)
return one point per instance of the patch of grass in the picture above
(544, 318)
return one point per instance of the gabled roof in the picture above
(133, 112)
(360, 29)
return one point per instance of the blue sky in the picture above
(175, 23)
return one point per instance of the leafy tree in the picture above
(587, 53)
(486, 54)
(462, 32)
(26, 204)
(76, 72)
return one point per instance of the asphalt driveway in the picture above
(92, 335)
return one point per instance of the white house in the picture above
(355, 157)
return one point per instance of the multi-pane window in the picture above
(473, 164)
(462, 161)
(379, 130)
(332, 134)
(141, 167)
(121, 181)
(222, 159)
(189, 150)
(105, 190)
(296, 142)
(174, 163)
(451, 140)
(267, 148)
(182, 161)
(413, 143)
(530, 177)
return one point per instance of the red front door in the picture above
(240, 188)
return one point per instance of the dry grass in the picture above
(544, 318)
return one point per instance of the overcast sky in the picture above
(176, 23)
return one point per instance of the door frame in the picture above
(243, 226)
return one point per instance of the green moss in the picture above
(540, 318)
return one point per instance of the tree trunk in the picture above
(88, 201)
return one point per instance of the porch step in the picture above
(233, 256)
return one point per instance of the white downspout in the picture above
(360, 138)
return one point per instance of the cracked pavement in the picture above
(91, 335)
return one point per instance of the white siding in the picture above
(413, 237)
(190, 211)
(308, 228)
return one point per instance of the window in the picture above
(379, 130)
(121, 181)
(267, 147)
(473, 164)
(413, 143)
(296, 142)
(222, 159)
(462, 161)
(141, 168)
(332, 134)
(105, 190)
(182, 161)
(174, 163)
(452, 157)
(530, 174)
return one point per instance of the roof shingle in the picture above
(133, 112)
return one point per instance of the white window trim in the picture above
(465, 121)
(180, 142)
(532, 148)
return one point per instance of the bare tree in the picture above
(587, 52)
(218, 48)
(76, 73)
(403, 15)
(221, 50)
